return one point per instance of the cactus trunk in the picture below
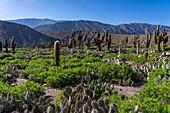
(0, 46)
(138, 47)
(158, 44)
(56, 52)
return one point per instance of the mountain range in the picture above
(33, 22)
(66, 30)
(24, 36)
(132, 28)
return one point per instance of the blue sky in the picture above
(107, 11)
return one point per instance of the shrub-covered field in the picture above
(85, 78)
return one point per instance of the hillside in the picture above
(24, 36)
(67, 35)
(132, 28)
(33, 22)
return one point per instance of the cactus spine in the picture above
(56, 52)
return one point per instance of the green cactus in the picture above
(87, 92)
(106, 101)
(95, 104)
(101, 102)
(148, 40)
(134, 42)
(6, 45)
(68, 90)
(79, 104)
(33, 44)
(109, 42)
(79, 88)
(57, 52)
(1, 46)
(158, 38)
(106, 36)
(145, 54)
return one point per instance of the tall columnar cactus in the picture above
(106, 36)
(148, 40)
(6, 45)
(134, 42)
(109, 42)
(1, 46)
(138, 47)
(33, 44)
(126, 40)
(56, 52)
(158, 38)
(120, 49)
(13, 44)
(145, 54)
(98, 43)
(38, 46)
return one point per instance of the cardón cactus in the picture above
(56, 52)
(158, 38)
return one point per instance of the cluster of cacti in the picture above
(1, 46)
(43, 45)
(98, 43)
(26, 104)
(56, 52)
(88, 42)
(72, 43)
(145, 70)
(148, 40)
(87, 97)
(6, 45)
(158, 38)
(109, 42)
(33, 44)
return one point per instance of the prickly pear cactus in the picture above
(87, 97)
